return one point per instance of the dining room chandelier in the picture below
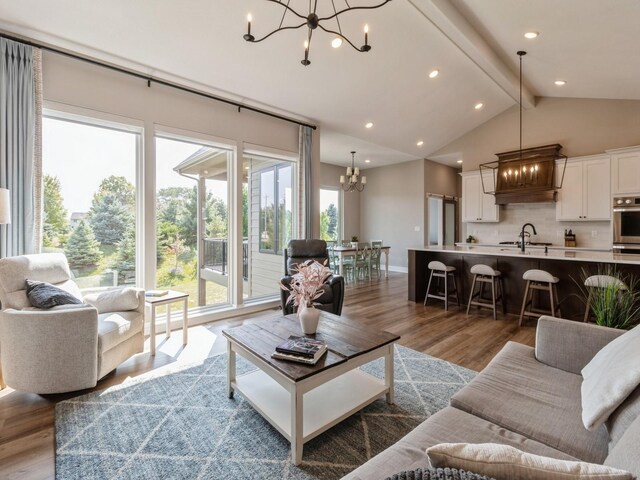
(352, 181)
(330, 23)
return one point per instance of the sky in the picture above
(327, 197)
(81, 156)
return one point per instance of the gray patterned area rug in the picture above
(181, 425)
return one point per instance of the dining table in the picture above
(342, 252)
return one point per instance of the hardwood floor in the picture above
(27, 420)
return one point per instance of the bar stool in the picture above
(539, 280)
(601, 281)
(485, 274)
(440, 270)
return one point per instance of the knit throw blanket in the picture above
(437, 474)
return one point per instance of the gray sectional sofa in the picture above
(529, 399)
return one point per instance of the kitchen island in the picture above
(567, 265)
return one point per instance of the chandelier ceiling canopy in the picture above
(292, 19)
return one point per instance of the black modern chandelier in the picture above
(313, 20)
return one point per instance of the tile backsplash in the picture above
(543, 216)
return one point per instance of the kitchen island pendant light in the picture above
(313, 21)
(352, 181)
(524, 175)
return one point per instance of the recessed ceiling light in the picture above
(420, 143)
(336, 42)
(479, 106)
(434, 73)
(206, 172)
(560, 82)
(367, 161)
(459, 161)
(531, 35)
(369, 125)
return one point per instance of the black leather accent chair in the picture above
(299, 251)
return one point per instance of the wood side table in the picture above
(171, 297)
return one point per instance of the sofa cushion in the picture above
(447, 425)
(625, 454)
(504, 461)
(114, 328)
(623, 417)
(610, 377)
(45, 295)
(534, 400)
(114, 300)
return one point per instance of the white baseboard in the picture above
(393, 268)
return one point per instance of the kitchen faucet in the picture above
(522, 241)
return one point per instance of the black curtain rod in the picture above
(150, 79)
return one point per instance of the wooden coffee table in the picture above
(302, 401)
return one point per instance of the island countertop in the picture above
(570, 266)
(536, 252)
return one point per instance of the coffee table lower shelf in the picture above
(323, 407)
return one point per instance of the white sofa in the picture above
(69, 347)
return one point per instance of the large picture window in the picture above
(276, 208)
(89, 199)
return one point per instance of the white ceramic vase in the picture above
(309, 318)
(354, 244)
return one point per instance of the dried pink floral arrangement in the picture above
(306, 284)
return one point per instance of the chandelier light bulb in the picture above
(434, 73)
(314, 20)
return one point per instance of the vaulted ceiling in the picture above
(592, 44)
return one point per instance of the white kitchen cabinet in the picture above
(585, 194)
(625, 172)
(477, 206)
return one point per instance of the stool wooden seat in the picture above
(440, 270)
(600, 281)
(485, 274)
(542, 281)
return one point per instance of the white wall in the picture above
(392, 207)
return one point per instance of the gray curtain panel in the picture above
(17, 145)
(306, 154)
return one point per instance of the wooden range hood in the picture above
(524, 176)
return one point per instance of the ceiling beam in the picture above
(446, 18)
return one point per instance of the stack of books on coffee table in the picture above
(300, 349)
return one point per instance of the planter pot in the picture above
(354, 244)
(309, 318)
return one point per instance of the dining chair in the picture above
(333, 258)
(376, 253)
(363, 262)
(377, 243)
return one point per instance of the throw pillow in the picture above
(610, 377)
(437, 474)
(503, 461)
(45, 295)
(114, 300)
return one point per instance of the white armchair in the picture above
(69, 347)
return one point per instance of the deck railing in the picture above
(216, 256)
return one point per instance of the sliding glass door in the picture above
(192, 220)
